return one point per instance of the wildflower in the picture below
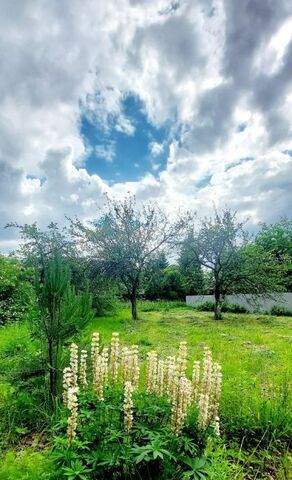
(135, 369)
(104, 365)
(169, 374)
(180, 404)
(182, 359)
(98, 377)
(74, 364)
(73, 407)
(114, 356)
(208, 404)
(196, 379)
(203, 407)
(94, 348)
(83, 368)
(160, 387)
(207, 372)
(217, 426)
(128, 406)
(130, 365)
(215, 393)
(67, 383)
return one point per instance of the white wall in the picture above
(263, 304)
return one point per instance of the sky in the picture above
(187, 103)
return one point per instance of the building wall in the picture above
(262, 304)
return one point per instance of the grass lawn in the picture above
(256, 355)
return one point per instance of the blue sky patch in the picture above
(204, 181)
(118, 156)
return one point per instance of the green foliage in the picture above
(191, 271)
(103, 450)
(63, 312)
(162, 305)
(236, 263)
(153, 276)
(24, 465)
(276, 239)
(208, 306)
(279, 310)
(255, 410)
(125, 238)
(17, 296)
(172, 287)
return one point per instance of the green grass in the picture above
(256, 357)
(254, 351)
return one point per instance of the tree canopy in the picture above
(124, 238)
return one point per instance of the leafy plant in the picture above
(197, 468)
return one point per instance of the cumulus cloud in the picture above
(217, 72)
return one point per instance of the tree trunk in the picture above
(52, 372)
(218, 304)
(133, 300)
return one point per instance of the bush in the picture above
(206, 306)
(280, 311)
(115, 427)
(209, 306)
(17, 295)
(24, 465)
(233, 308)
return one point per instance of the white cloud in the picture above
(108, 152)
(218, 72)
(156, 148)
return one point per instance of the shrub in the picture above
(206, 306)
(120, 427)
(233, 308)
(209, 306)
(17, 296)
(279, 310)
(24, 465)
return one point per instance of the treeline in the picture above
(130, 252)
(61, 278)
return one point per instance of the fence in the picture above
(262, 304)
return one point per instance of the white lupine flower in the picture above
(73, 407)
(67, 383)
(203, 410)
(83, 368)
(160, 377)
(182, 359)
(180, 404)
(130, 365)
(104, 365)
(74, 364)
(128, 406)
(98, 378)
(207, 372)
(163, 377)
(114, 357)
(196, 379)
(94, 348)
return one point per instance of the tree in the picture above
(191, 270)
(61, 310)
(173, 287)
(277, 239)
(237, 264)
(153, 276)
(17, 295)
(124, 238)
